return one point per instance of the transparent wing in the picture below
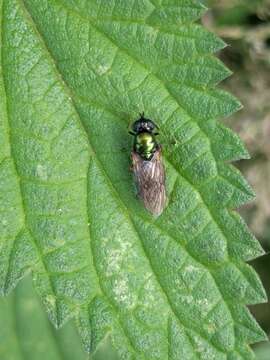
(150, 180)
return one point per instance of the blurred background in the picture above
(245, 26)
(25, 331)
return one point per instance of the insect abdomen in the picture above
(150, 180)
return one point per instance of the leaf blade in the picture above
(97, 78)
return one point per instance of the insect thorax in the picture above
(145, 145)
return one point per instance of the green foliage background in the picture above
(44, 64)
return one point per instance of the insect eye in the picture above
(135, 127)
(150, 126)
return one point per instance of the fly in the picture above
(147, 165)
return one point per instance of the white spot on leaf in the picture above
(102, 69)
(123, 294)
(41, 172)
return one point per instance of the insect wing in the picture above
(150, 181)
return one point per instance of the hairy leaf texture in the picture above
(74, 74)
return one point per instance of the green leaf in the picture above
(27, 333)
(73, 76)
(37, 339)
(263, 351)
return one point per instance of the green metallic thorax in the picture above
(145, 145)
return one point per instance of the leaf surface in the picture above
(74, 74)
(36, 339)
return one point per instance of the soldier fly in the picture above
(147, 165)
